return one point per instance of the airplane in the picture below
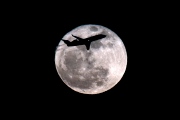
(81, 41)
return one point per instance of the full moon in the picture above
(95, 70)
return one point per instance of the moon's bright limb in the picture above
(94, 71)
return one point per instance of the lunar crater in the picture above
(99, 83)
(96, 44)
(93, 28)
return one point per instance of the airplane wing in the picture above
(66, 42)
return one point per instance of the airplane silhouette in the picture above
(81, 41)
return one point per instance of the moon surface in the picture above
(95, 70)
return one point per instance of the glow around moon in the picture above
(94, 71)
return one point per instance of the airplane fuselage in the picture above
(76, 42)
(86, 41)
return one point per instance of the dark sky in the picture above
(50, 28)
(41, 31)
